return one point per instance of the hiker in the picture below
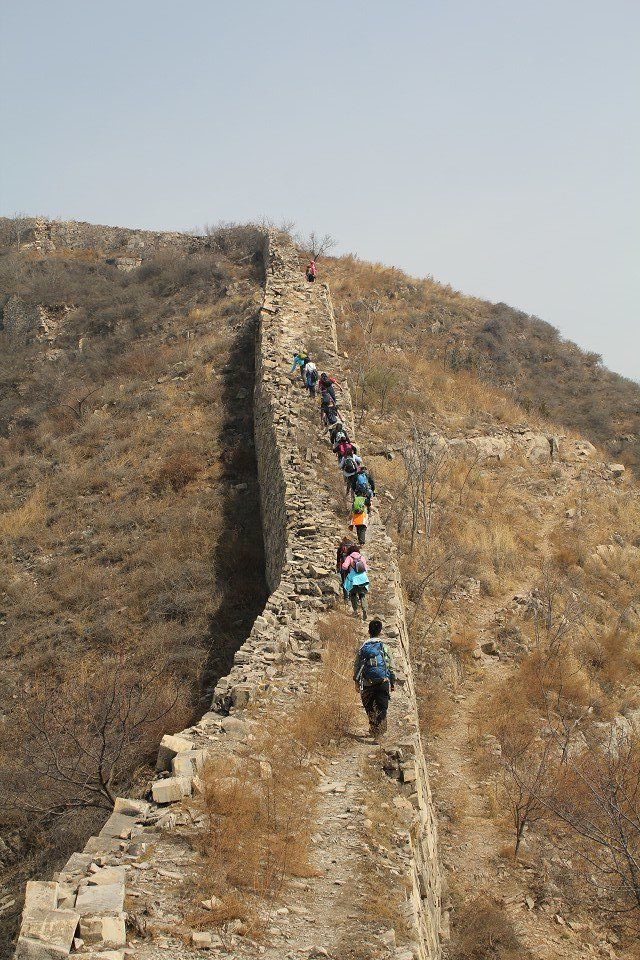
(345, 547)
(311, 377)
(327, 385)
(337, 433)
(330, 416)
(343, 447)
(375, 678)
(362, 484)
(300, 359)
(311, 271)
(355, 581)
(328, 410)
(349, 464)
(359, 518)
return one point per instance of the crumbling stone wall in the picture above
(48, 235)
(298, 478)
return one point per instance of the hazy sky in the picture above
(494, 145)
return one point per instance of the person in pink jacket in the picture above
(312, 271)
(355, 581)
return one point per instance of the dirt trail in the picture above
(471, 840)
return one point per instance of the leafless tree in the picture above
(70, 745)
(597, 804)
(316, 246)
(426, 468)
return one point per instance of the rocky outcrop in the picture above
(298, 480)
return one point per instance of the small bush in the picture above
(177, 472)
(482, 931)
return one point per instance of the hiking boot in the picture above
(382, 726)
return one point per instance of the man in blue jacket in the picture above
(375, 678)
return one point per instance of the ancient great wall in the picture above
(104, 901)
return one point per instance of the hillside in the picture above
(137, 601)
(520, 560)
(128, 484)
(525, 357)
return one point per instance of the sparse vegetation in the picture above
(473, 533)
(127, 482)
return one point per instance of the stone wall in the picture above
(299, 480)
(48, 235)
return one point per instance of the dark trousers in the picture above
(375, 700)
(362, 533)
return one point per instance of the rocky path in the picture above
(473, 845)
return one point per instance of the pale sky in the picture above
(493, 145)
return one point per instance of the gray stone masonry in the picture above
(299, 480)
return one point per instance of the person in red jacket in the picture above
(311, 271)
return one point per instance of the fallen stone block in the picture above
(130, 808)
(171, 789)
(40, 895)
(105, 875)
(189, 763)
(169, 747)
(107, 931)
(47, 934)
(100, 900)
(201, 939)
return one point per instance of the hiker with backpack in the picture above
(312, 271)
(375, 678)
(300, 359)
(327, 385)
(336, 434)
(345, 547)
(328, 410)
(349, 465)
(355, 582)
(359, 518)
(343, 448)
(311, 377)
(362, 484)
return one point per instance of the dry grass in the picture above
(117, 506)
(482, 931)
(260, 805)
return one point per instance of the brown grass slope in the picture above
(131, 561)
(523, 355)
(523, 583)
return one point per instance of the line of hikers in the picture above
(373, 672)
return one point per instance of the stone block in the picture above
(169, 747)
(201, 939)
(118, 826)
(130, 808)
(40, 895)
(106, 875)
(47, 934)
(106, 931)
(171, 789)
(100, 900)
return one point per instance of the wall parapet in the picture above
(88, 895)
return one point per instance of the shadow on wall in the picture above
(240, 558)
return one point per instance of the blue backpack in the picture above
(373, 666)
(362, 485)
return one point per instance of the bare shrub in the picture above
(177, 471)
(73, 742)
(482, 931)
